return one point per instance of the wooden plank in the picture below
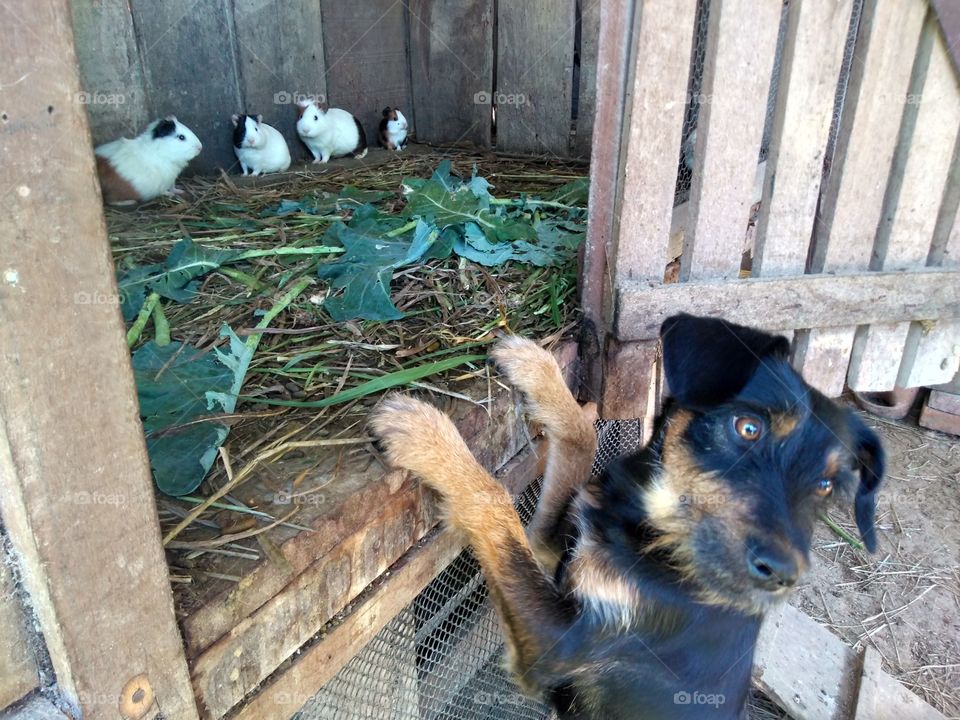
(948, 15)
(18, 666)
(365, 46)
(921, 171)
(630, 373)
(944, 401)
(78, 498)
(883, 698)
(596, 292)
(36, 707)
(590, 16)
(190, 70)
(741, 43)
(852, 202)
(812, 54)
(452, 80)
(806, 301)
(111, 71)
(280, 56)
(534, 93)
(316, 664)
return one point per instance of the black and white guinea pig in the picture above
(260, 148)
(393, 129)
(145, 167)
(329, 132)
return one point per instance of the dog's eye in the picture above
(747, 427)
(824, 487)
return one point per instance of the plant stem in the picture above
(133, 334)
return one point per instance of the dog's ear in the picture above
(870, 461)
(708, 360)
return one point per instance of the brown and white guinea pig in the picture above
(260, 148)
(393, 129)
(330, 132)
(145, 167)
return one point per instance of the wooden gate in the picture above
(846, 235)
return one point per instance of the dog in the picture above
(638, 594)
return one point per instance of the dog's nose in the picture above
(772, 568)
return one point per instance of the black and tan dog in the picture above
(639, 594)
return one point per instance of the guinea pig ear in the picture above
(259, 119)
(171, 118)
(234, 119)
(708, 360)
(386, 111)
(870, 461)
(303, 103)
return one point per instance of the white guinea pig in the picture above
(260, 148)
(147, 166)
(330, 132)
(393, 129)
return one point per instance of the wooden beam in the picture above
(19, 675)
(806, 301)
(78, 499)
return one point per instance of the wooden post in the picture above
(77, 496)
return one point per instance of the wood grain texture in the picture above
(881, 697)
(590, 17)
(852, 201)
(631, 368)
(812, 54)
(190, 70)
(921, 171)
(280, 56)
(535, 42)
(596, 290)
(741, 42)
(18, 666)
(367, 66)
(451, 58)
(805, 301)
(78, 499)
(111, 71)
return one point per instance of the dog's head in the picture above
(750, 453)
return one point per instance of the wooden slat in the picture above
(853, 198)
(806, 301)
(881, 697)
(111, 70)
(451, 58)
(534, 94)
(190, 70)
(921, 171)
(596, 291)
(741, 42)
(280, 55)
(812, 54)
(36, 707)
(78, 498)
(18, 666)
(365, 46)
(589, 54)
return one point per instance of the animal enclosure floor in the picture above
(904, 600)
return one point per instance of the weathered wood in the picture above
(280, 56)
(881, 697)
(78, 499)
(741, 42)
(596, 293)
(190, 70)
(365, 46)
(812, 54)
(36, 707)
(18, 666)
(534, 93)
(317, 664)
(920, 173)
(110, 69)
(451, 67)
(807, 301)
(948, 15)
(852, 202)
(630, 372)
(590, 12)
(944, 401)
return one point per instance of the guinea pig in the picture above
(330, 132)
(393, 129)
(260, 148)
(145, 167)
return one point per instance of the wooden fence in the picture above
(436, 59)
(854, 245)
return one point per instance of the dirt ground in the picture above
(904, 600)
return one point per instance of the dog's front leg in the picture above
(419, 438)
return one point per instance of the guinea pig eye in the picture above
(315, 117)
(181, 137)
(824, 487)
(747, 427)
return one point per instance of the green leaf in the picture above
(444, 207)
(352, 195)
(575, 192)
